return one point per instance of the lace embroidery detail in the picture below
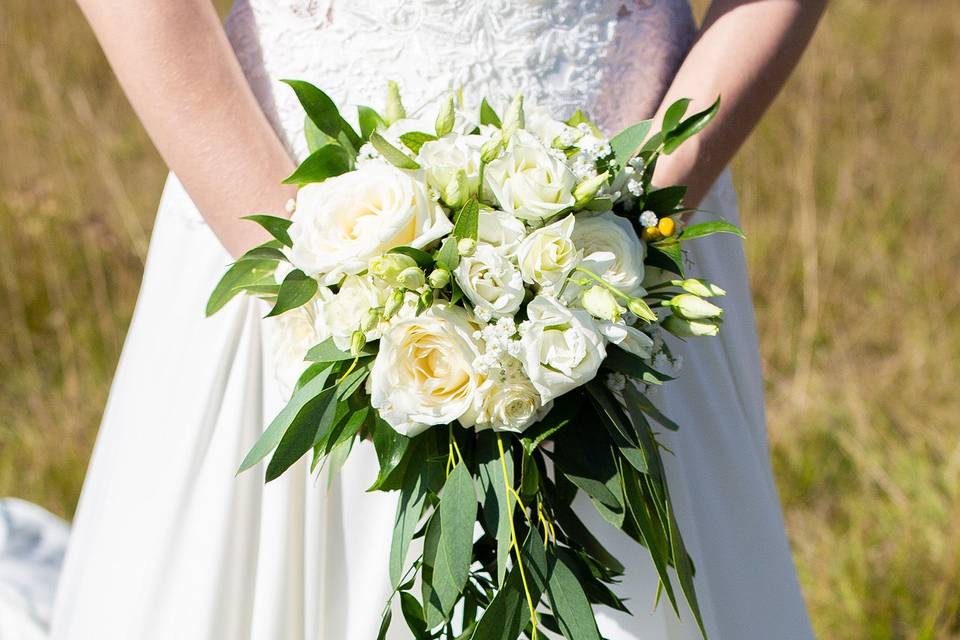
(613, 56)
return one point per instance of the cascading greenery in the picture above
(531, 564)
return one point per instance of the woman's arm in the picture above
(745, 51)
(177, 68)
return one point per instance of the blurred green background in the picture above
(850, 191)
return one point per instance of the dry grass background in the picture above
(850, 191)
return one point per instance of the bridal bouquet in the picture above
(484, 298)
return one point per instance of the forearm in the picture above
(745, 52)
(176, 66)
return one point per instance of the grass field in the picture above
(850, 192)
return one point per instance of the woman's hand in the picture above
(176, 66)
(744, 53)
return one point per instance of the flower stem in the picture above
(516, 545)
(603, 283)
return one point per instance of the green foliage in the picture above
(391, 154)
(326, 162)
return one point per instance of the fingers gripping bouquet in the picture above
(484, 299)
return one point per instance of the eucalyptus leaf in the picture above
(391, 448)
(497, 505)
(458, 513)
(570, 605)
(632, 365)
(413, 493)
(271, 436)
(311, 421)
(296, 290)
(413, 615)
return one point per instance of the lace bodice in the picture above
(613, 56)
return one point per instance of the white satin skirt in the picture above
(169, 543)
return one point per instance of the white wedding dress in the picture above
(169, 544)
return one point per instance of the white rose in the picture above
(441, 159)
(628, 338)
(562, 348)
(529, 181)
(341, 223)
(290, 335)
(423, 374)
(610, 245)
(340, 315)
(490, 281)
(548, 255)
(510, 405)
(500, 229)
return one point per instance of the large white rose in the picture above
(548, 255)
(423, 374)
(562, 348)
(341, 223)
(500, 229)
(610, 244)
(529, 181)
(491, 282)
(340, 315)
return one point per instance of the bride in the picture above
(168, 543)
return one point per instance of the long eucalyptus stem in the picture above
(516, 545)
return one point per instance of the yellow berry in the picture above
(666, 227)
(651, 234)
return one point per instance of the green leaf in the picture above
(307, 427)
(413, 140)
(583, 460)
(621, 431)
(674, 114)
(240, 274)
(704, 229)
(666, 255)
(370, 121)
(321, 110)
(458, 513)
(448, 256)
(413, 614)
(424, 259)
(391, 450)
(563, 412)
(275, 226)
(296, 290)
(326, 162)
(413, 494)
(583, 538)
(391, 154)
(493, 487)
(579, 118)
(684, 567)
(264, 253)
(689, 127)
(314, 137)
(488, 115)
(467, 220)
(385, 624)
(327, 351)
(268, 441)
(627, 143)
(648, 407)
(665, 200)
(632, 365)
(569, 603)
(507, 614)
